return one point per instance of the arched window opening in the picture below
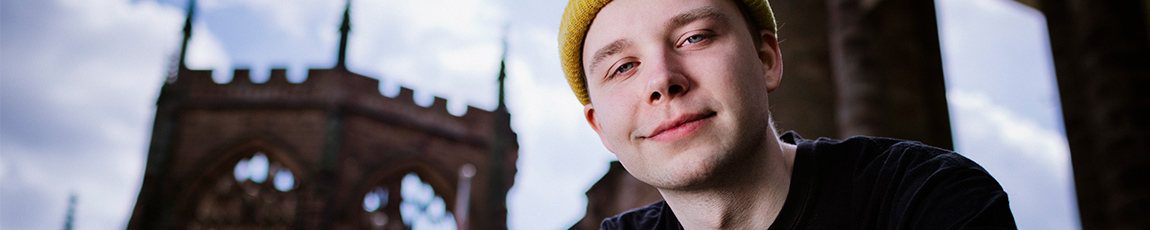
(418, 206)
(258, 192)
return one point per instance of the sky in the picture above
(1004, 106)
(79, 80)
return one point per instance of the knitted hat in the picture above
(577, 20)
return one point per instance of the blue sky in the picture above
(79, 79)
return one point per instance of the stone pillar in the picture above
(1102, 60)
(805, 102)
(888, 70)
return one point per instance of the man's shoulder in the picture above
(650, 217)
(904, 184)
(889, 152)
(876, 159)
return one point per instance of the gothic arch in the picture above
(390, 177)
(217, 185)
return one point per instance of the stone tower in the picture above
(330, 152)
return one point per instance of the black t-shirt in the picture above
(870, 183)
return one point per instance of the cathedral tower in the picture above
(327, 153)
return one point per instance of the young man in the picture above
(678, 90)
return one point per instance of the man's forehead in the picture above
(627, 15)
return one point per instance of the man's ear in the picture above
(589, 113)
(772, 59)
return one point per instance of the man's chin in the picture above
(683, 171)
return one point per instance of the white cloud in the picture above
(1001, 48)
(978, 116)
(447, 48)
(205, 51)
(79, 82)
(260, 34)
(1030, 162)
(295, 17)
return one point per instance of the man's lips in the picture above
(678, 127)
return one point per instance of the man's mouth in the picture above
(679, 127)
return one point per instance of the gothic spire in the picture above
(498, 147)
(343, 30)
(187, 34)
(70, 217)
(502, 74)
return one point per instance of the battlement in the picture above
(326, 89)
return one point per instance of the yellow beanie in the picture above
(577, 20)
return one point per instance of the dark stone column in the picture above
(888, 70)
(1102, 60)
(805, 102)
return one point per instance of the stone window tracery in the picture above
(258, 194)
(419, 206)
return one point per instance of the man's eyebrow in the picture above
(706, 12)
(608, 50)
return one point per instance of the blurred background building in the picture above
(330, 152)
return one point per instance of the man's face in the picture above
(678, 88)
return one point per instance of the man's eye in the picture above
(624, 68)
(696, 38)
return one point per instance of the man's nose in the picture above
(666, 80)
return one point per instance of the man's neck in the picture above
(749, 195)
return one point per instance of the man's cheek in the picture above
(617, 133)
